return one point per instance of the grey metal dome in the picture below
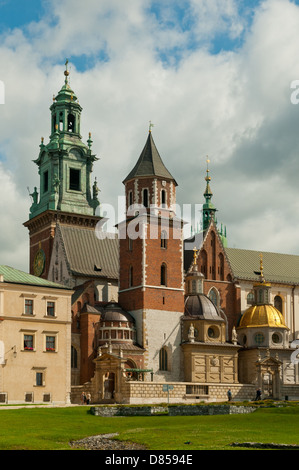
(114, 312)
(202, 307)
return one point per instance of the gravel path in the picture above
(105, 442)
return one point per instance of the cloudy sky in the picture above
(215, 78)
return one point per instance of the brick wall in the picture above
(213, 263)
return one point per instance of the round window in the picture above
(259, 338)
(213, 332)
(276, 338)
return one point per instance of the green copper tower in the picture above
(65, 195)
(65, 163)
(209, 210)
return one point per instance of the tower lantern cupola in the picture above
(65, 163)
(66, 110)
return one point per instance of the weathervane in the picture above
(150, 126)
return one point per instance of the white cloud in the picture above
(13, 243)
(234, 106)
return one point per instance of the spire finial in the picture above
(66, 72)
(208, 178)
(261, 266)
(150, 126)
(194, 255)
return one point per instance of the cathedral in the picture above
(152, 318)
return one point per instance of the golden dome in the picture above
(262, 315)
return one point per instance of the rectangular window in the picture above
(46, 181)
(51, 309)
(197, 389)
(28, 307)
(39, 379)
(75, 180)
(50, 343)
(28, 342)
(29, 397)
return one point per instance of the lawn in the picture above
(53, 428)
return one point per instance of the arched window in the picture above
(71, 123)
(260, 296)
(145, 198)
(214, 296)
(130, 201)
(61, 121)
(278, 303)
(221, 266)
(250, 298)
(163, 239)
(213, 246)
(54, 123)
(163, 198)
(163, 275)
(163, 363)
(204, 260)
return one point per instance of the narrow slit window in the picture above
(46, 181)
(163, 239)
(145, 198)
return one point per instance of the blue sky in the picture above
(213, 76)
(18, 13)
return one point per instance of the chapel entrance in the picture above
(109, 385)
(267, 385)
(269, 377)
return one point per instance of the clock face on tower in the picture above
(39, 262)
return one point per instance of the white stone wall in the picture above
(157, 329)
(153, 393)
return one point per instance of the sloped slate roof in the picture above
(149, 163)
(89, 256)
(16, 276)
(278, 267)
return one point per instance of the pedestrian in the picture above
(258, 394)
(229, 394)
(83, 398)
(88, 398)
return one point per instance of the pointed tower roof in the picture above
(208, 207)
(149, 163)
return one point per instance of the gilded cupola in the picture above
(262, 313)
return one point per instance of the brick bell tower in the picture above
(65, 167)
(151, 280)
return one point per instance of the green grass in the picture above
(53, 428)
